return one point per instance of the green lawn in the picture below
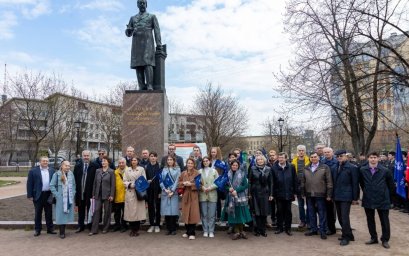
(7, 182)
(13, 174)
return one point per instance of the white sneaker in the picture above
(150, 229)
(157, 229)
(184, 235)
(205, 234)
(211, 235)
(192, 237)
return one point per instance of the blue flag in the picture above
(168, 181)
(240, 159)
(221, 181)
(221, 165)
(399, 171)
(198, 181)
(264, 151)
(158, 175)
(253, 161)
(141, 184)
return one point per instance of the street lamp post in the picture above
(280, 124)
(77, 126)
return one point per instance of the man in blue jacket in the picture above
(346, 191)
(332, 163)
(38, 190)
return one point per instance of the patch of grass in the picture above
(13, 174)
(7, 182)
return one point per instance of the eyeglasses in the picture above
(338, 156)
(172, 149)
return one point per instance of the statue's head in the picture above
(142, 5)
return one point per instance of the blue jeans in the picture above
(208, 214)
(317, 204)
(302, 212)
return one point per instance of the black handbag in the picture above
(141, 196)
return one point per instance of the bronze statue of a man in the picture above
(140, 28)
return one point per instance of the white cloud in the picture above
(40, 7)
(102, 35)
(103, 5)
(8, 21)
(21, 57)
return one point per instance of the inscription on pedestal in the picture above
(145, 121)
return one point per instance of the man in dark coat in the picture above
(377, 185)
(154, 191)
(285, 188)
(38, 190)
(179, 159)
(140, 28)
(272, 158)
(145, 158)
(84, 173)
(346, 192)
(98, 161)
(332, 163)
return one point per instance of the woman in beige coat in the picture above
(190, 199)
(135, 210)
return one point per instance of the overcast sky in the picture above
(237, 44)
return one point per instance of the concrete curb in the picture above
(29, 225)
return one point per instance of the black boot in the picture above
(62, 231)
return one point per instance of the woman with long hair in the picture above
(190, 198)
(208, 197)
(135, 210)
(62, 187)
(169, 197)
(236, 204)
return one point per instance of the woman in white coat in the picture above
(135, 210)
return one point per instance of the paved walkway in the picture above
(20, 242)
(13, 190)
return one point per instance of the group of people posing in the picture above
(250, 191)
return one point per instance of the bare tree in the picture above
(225, 118)
(35, 113)
(63, 115)
(335, 67)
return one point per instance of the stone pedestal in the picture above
(145, 121)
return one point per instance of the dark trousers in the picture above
(119, 215)
(317, 205)
(331, 218)
(39, 205)
(99, 205)
(343, 210)
(304, 215)
(284, 215)
(190, 229)
(220, 196)
(83, 206)
(154, 211)
(260, 227)
(135, 225)
(273, 210)
(384, 217)
(171, 222)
